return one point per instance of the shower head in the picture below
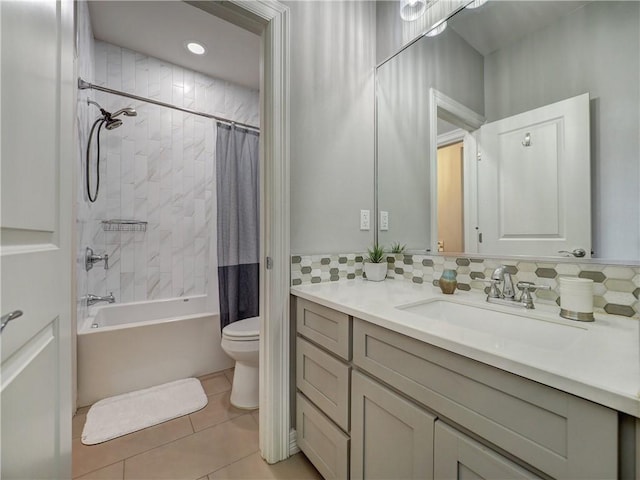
(112, 123)
(128, 112)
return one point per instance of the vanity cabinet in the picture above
(373, 403)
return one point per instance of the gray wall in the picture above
(595, 50)
(448, 64)
(332, 124)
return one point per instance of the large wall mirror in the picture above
(514, 131)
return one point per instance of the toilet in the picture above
(241, 341)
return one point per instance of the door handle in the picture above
(578, 252)
(8, 317)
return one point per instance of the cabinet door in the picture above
(457, 456)
(390, 436)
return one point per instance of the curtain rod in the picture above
(83, 85)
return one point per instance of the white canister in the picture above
(576, 298)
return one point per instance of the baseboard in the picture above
(293, 442)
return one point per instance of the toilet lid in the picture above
(248, 329)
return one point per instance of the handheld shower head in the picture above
(128, 112)
(112, 123)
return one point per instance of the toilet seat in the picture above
(243, 330)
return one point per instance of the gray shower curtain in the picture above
(237, 181)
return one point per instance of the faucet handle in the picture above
(105, 257)
(494, 291)
(526, 288)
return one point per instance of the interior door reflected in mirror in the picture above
(548, 120)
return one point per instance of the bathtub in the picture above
(122, 348)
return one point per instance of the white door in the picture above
(37, 156)
(534, 181)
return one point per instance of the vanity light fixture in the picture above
(476, 4)
(196, 48)
(412, 9)
(437, 29)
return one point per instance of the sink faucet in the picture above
(500, 274)
(507, 296)
(93, 299)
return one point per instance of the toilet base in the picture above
(245, 393)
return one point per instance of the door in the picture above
(390, 436)
(37, 156)
(534, 181)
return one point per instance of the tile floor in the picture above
(217, 442)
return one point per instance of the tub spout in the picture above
(93, 299)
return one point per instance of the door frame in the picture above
(271, 20)
(445, 107)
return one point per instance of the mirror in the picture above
(506, 62)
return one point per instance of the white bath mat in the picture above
(116, 416)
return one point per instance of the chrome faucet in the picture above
(507, 296)
(500, 274)
(90, 258)
(93, 299)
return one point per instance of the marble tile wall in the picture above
(157, 167)
(616, 287)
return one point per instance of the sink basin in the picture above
(498, 326)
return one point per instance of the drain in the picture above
(94, 325)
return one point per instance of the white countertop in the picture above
(598, 361)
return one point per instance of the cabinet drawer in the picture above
(457, 456)
(324, 444)
(324, 326)
(557, 433)
(324, 380)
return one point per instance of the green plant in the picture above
(376, 254)
(397, 248)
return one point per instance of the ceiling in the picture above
(162, 28)
(498, 23)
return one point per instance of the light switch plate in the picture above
(365, 219)
(384, 221)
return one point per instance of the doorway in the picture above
(450, 198)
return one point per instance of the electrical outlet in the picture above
(384, 221)
(365, 219)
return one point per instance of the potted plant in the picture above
(397, 251)
(375, 265)
(397, 248)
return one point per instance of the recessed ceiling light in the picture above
(196, 48)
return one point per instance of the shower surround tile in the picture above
(157, 167)
(616, 287)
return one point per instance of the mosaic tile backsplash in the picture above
(616, 288)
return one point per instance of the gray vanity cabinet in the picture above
(390, 436)
(557, 433)
(373, 403)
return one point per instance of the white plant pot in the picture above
(375, 272)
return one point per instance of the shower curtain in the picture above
(238, 215)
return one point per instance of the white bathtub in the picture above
(122, 348)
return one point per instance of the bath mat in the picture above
(116, 416)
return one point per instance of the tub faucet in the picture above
(93, 299)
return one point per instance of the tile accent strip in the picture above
(616, 287)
